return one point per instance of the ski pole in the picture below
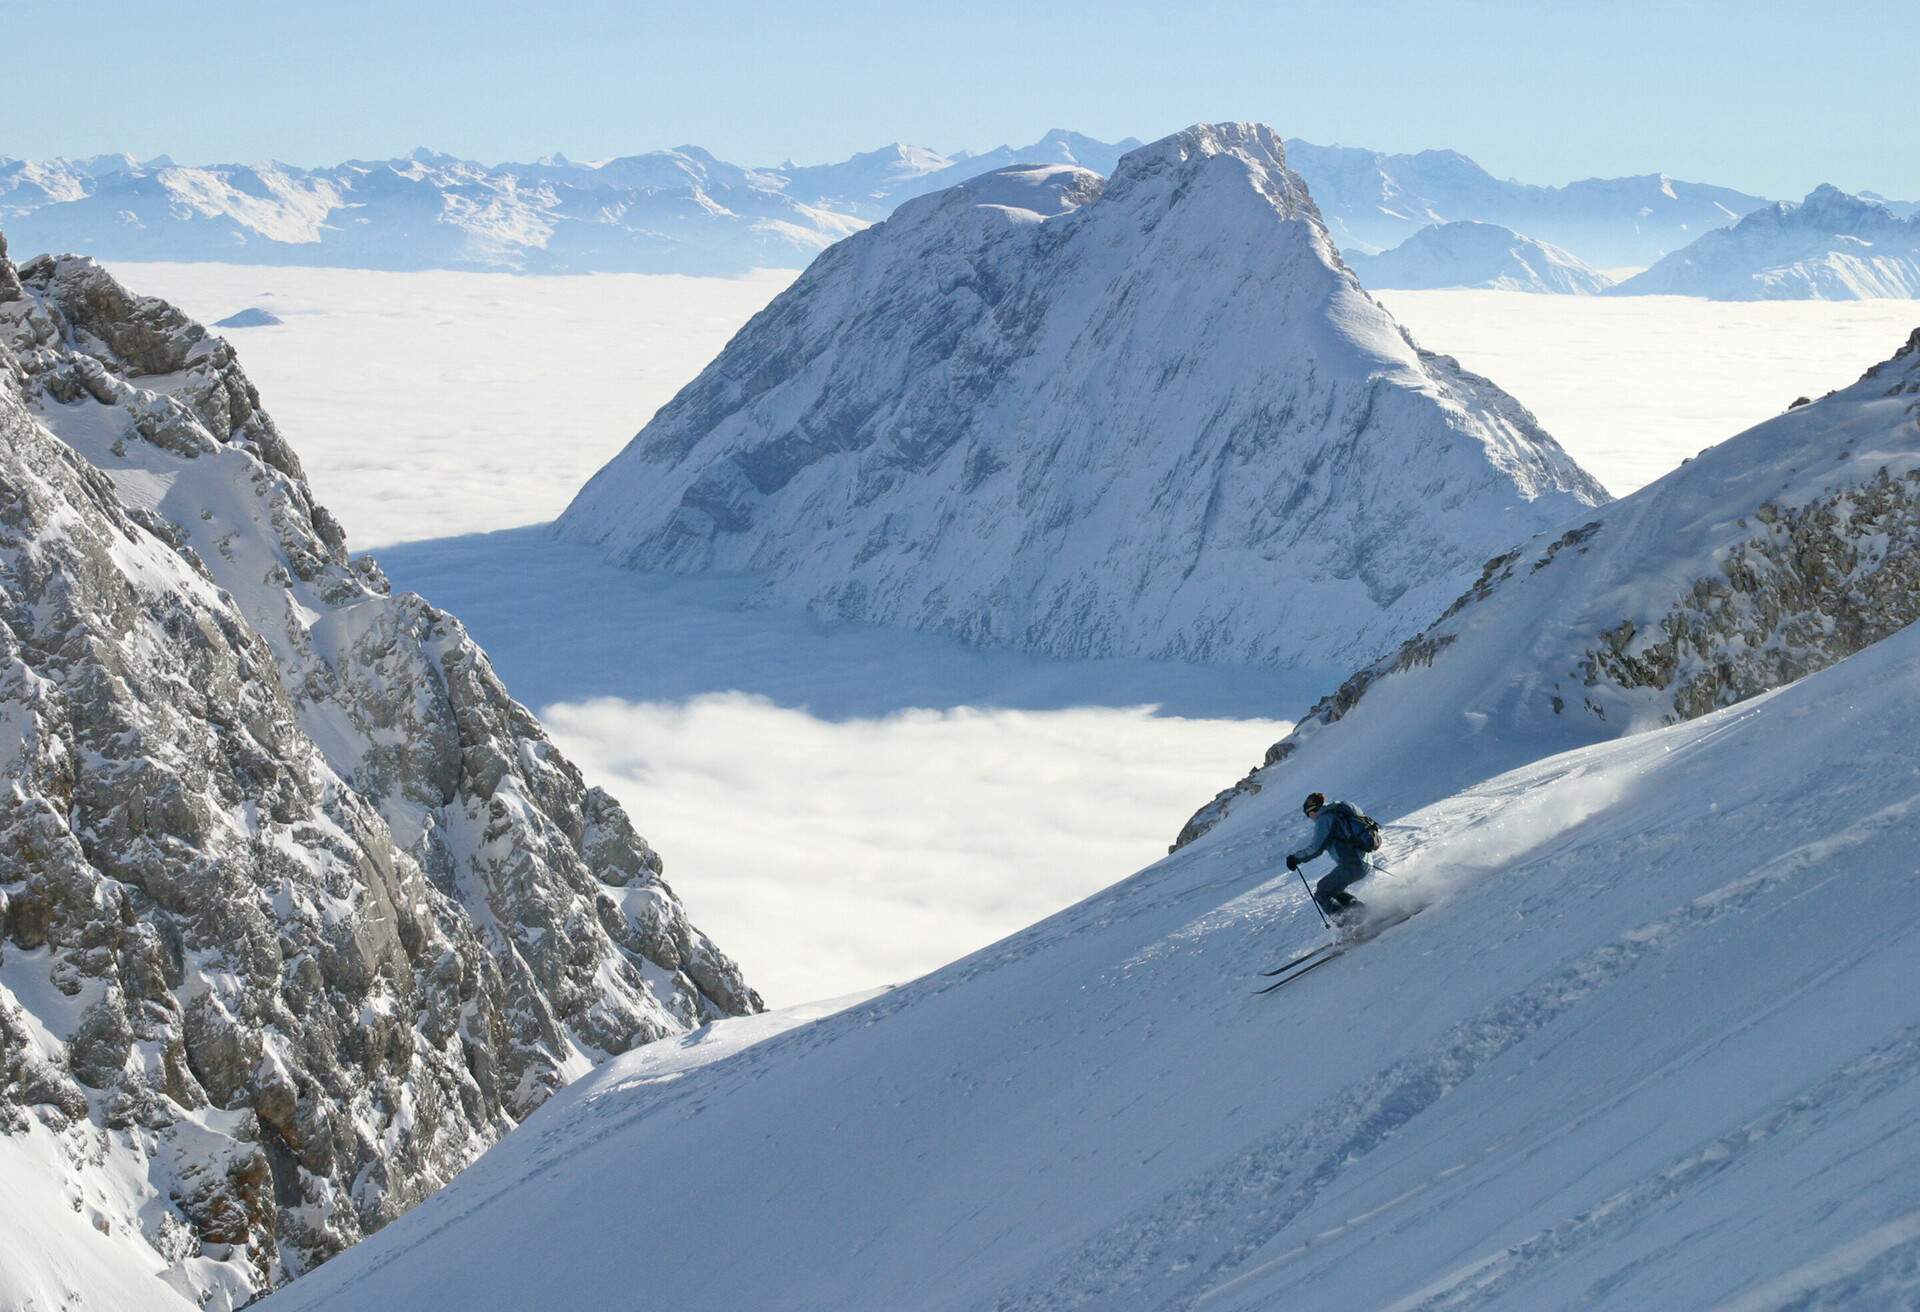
(1311, 898)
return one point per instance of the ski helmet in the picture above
(1313, 803)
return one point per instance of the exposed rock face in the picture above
(1151, 415)
(299, 910)
(1832, 246)
(1760, 561)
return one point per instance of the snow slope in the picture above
(1146, 416)
(1374, 200)
(1656, 1045)
(1830, 246)
(1474, 254)
(1769, 556)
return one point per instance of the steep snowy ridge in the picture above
(1761, 560)
(1654, 1044)
(1474, 254)
(1150, 416)
(1829, 247)
(299, 910)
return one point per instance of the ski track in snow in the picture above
(1285, 1172)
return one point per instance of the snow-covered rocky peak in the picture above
(1156, 417)
(1828, 204)
(1763, 559)
(1474, 254)
(1234, 155)
(299, 909)
(1831, 246)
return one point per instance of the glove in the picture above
(1292, 863)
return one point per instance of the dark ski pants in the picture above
(1331, 890)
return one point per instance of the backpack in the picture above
(1354, 827)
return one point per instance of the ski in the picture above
(1308, 955)
(1307, 969)
(1320, 956)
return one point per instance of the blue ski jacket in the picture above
(1344, 854)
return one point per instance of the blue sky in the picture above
(1771, 97)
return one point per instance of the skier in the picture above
(1344, 830)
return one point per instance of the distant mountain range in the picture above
(1832, 246)
(1372, 201)
(686, 211)
(668, 211)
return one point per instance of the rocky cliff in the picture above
(301, 910)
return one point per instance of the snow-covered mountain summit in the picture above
(1152, 415)
(1767, 557)
(1474, 254)
(299, 909)
(1832, 246)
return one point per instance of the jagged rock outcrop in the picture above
(299, 910)
(1150, 415)
(1760, 561)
